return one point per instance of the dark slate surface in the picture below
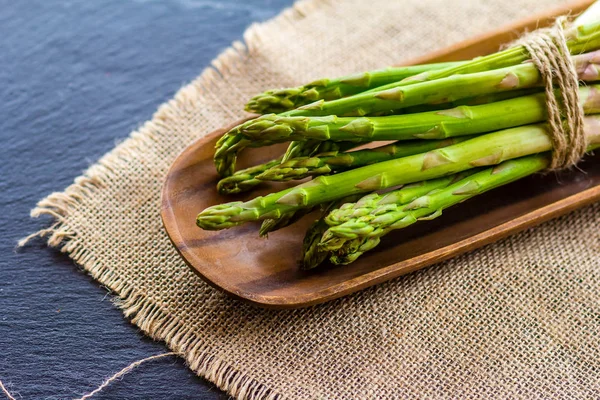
(76, 76)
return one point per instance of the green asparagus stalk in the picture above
(280, 100)
(458, 121)
(468, 101)
(293, 149)
(307, 148)
(364, 233)
(302, 167)
(478, 100)
(245, 179)
(488, 149)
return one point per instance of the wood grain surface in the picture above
(265, 272)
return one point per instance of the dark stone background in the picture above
(76, 76)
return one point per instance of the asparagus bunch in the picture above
(458, 130)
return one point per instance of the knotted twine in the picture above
(551, 56)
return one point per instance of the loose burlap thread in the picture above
(517, 319)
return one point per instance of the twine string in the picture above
(107, 381)
(550, 54)
(124, 371)
(6, 392)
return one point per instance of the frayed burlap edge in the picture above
(149, 317)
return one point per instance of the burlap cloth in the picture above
(518, 319)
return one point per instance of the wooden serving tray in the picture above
(265, 272)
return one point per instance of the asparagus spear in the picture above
(307, 148)
(302, 167)
(458, 121)
(364, 233)
(311, 255)
(280, 100)
(489, 149)
(244, 179)
(488, 98)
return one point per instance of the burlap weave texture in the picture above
(518, 319)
